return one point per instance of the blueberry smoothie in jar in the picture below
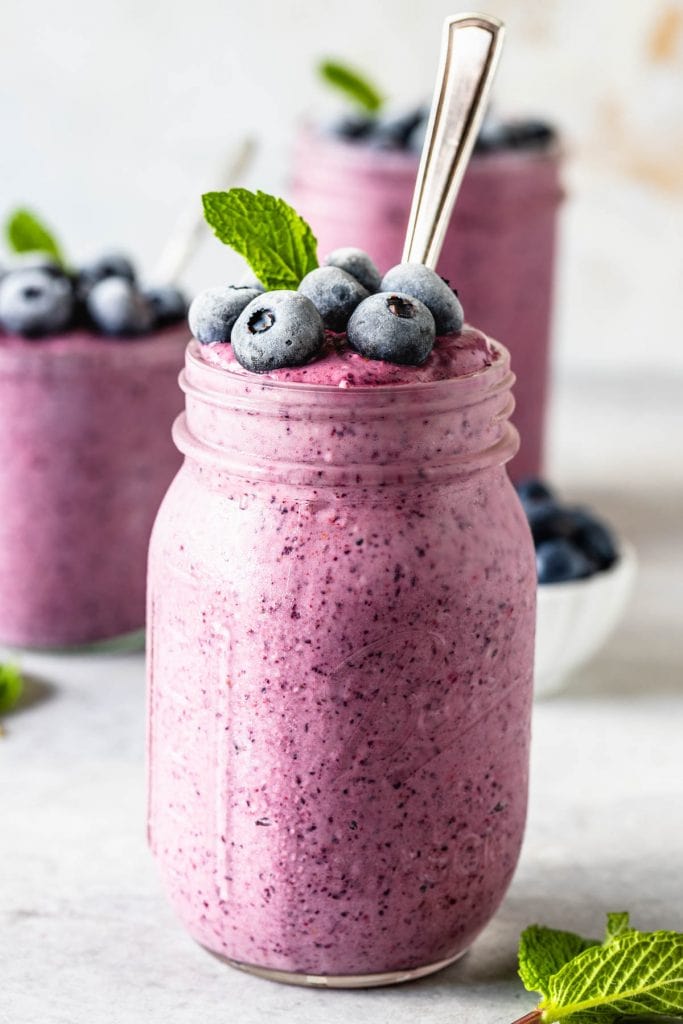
(355, 180)
(88, 391)
(341, 619)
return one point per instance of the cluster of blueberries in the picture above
(395, 318)
(571, 543)
(407, 131)
(38, 297)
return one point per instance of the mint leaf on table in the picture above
(352, 84)
(11, 686)
(545, 951)
(25, 233)
(632, 973)
(618, 925)
(276, 242)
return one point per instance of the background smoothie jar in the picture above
(341, 618)
(499, 251)
(88, 391)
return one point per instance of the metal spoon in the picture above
(470, 51)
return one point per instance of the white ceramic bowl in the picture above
(574, 619)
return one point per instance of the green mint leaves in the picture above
(631, 973)
(11, 687)
(25, 233)
(352, 84)
(276, 242)
(544, 951)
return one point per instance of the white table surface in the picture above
(85, 934)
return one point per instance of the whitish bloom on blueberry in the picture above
(425, 284)
(277, 329)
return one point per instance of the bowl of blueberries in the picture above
(585, 578)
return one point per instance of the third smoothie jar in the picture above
(499, 250)
(341, 615)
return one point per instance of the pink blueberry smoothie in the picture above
(499, 251)
(85, 458)
(341, 618)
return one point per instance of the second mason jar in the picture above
(341, 619)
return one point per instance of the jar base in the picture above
(339, 980)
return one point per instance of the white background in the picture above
(115, 115)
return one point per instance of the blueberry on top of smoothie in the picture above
(356, 263)
(334, 293)
(394, 327)
(117, 307)
(35, 302)
(277, 329)
(425, 284)
(214, 311)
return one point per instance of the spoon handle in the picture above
(470, 51)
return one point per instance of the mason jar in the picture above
(85, 459)
(341, 611)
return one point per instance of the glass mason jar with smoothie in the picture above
(88, 383)
(341, 611)
(355, 177)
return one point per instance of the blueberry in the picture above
(550, 521)
(277, 329)
(112, 264)
(492, 135)
(35, 302)
(356, 263)
(426, 285)
(249, 280)
(527, 134)
(214, 311)
(117, 307)
(392, 326)
(395, 132)
(560, 560)
(334, 293)
(533, 491)
(595, 540)
(352, 127)
(168, 304)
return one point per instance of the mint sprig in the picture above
(11, 687)
(631, 973)
(352, 84)
(26, 233)
(276, 242)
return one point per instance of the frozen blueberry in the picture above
(112, 264)
(426, 285)
(117, 307)
(527, 133)
(533, 491)
(249, 280)
(352, 127)
(214, 311)
(560, 560)
(550, 521)
(492, 135)
(395, 132)
(596, 540)
(277, 329)
(392, 326)
(356, 263)
(168, 304)
(334, 293)
(35, 301)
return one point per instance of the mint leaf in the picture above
(276, 242)
(617, 925)
(25, 233)
(352, 84)
(11, 687)
(633, 974)
(545, 951)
